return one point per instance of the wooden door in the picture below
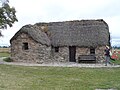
(72, 53)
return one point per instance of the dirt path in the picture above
(70, 64)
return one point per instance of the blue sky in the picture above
(33, 11)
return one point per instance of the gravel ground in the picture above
(69, 64)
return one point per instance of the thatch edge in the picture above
(39, 36)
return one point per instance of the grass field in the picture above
(58, 78)
(4, 49)
(4, 54)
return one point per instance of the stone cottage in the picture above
(63, 42)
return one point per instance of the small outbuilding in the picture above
(69, 41)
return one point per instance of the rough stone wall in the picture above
(81, 51)
(36, 53)
(61, 56)
(99, 52)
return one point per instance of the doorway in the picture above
(72, 53)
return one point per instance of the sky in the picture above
(34, 11)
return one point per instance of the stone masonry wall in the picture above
(99, 52)
(81, 51)
(36, 53)
(61, 56)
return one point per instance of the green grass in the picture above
(4, 54)
(58, 78)
(116, 62)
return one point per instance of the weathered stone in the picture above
(36, 53)
(37, 43)
(62, 55)
(99, 53)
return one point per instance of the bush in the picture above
(8, 59)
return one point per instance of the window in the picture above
(92, 50)
(56, 49)
(25, 46)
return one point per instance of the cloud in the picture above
(56, 10)
(33, 11)
(116, 42)
(113, 23)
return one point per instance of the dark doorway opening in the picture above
(72, 53)
(92, 50)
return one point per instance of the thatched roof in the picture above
(34, 33)
(84, 33)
